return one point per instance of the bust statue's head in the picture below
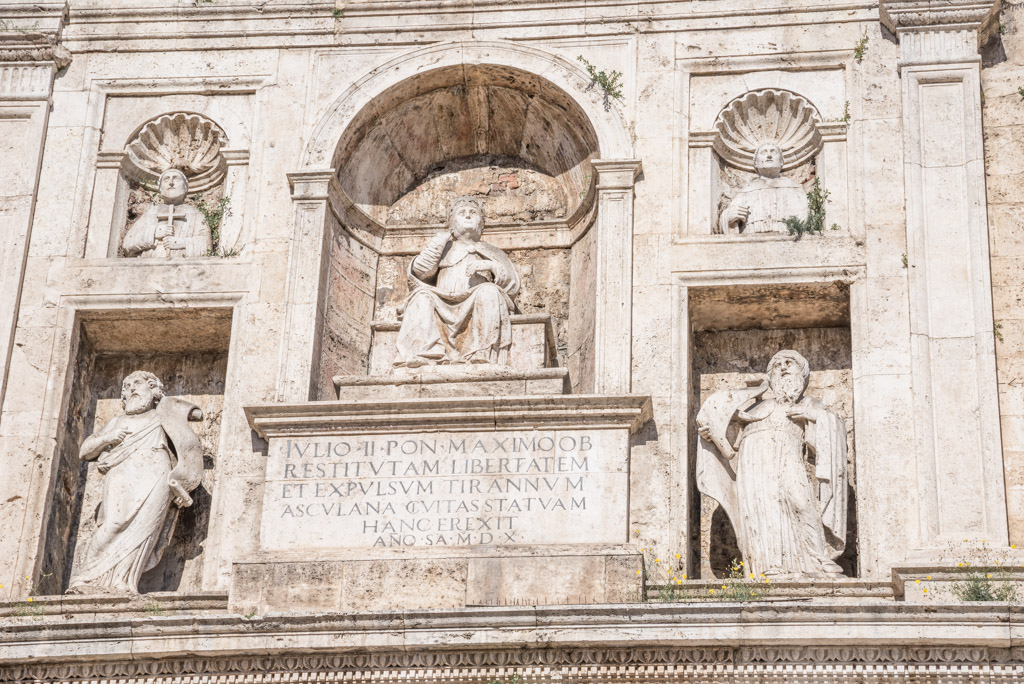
(173, 186)
(466, 218)
(768, 160)
(140, 392)
(788, 372)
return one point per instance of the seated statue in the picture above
(765, 203)
(460, 301)
(151, 461)
(170, 229)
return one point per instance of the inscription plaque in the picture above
(444, 489)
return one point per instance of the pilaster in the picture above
(614, 305)
(30, 56)
(958, 446)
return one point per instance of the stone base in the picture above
(533, 343)
(447, 578)
(453, 381)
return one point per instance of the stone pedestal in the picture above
(444, 502)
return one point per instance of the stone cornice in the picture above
(30, 49)
(412, 646)
(937, 15)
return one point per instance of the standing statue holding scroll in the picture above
(460, 301)
(144, 484)
(789, 525)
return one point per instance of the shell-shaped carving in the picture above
(763, 116)
(180, 140)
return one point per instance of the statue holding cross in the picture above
(171, 228)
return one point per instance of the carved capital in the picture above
(30, 49)
(954, 28)
(619, 174)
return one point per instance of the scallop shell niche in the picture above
(189, 142)
(763, 116)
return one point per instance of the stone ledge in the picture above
(464, 413)
(453, 381)
(495, 637)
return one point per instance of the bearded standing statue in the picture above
(144, 485)
(788, 524)
(764, 204)
(460, 301)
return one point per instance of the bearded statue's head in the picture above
(788, 372)
(140, 392)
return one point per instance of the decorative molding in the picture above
(398, 415)
(939, 31)
(768, 115)
(817, 663)
(903, 15)
(26, 80)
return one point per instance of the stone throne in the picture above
(472, 437)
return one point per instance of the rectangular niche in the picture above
(736, 329)
(188, 350)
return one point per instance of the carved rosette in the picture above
(189, 142)
(768, 115)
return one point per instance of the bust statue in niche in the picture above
(461, 297)
(170, 228)
(764, 204)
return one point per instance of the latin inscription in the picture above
(446, 489)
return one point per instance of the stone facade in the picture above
(637, 166)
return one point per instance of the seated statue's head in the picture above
(140, 392)
(768, 160)
(788, 372)
(173, 186)
(466, 218)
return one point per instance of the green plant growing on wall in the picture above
(667, 577)
(338, 13)
(611, 84)
(1020, 91)
(978, 584)
(860, 49)
(214, 215)
(817, 198)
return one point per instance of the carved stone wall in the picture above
(1002, 75)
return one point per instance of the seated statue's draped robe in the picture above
(785, 524)
(453, 317)
(771, 201)
(141, 240)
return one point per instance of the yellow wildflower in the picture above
(711, 590)
(928, 577)
(925, 590)
(678, 556)
(723, 587)
(751, 575)
(657, 560)
(1013, 546)
(989, 575)
(29, 598)
(638, 572)
(684, 575)
(917, 581)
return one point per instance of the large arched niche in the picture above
(518, 127)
